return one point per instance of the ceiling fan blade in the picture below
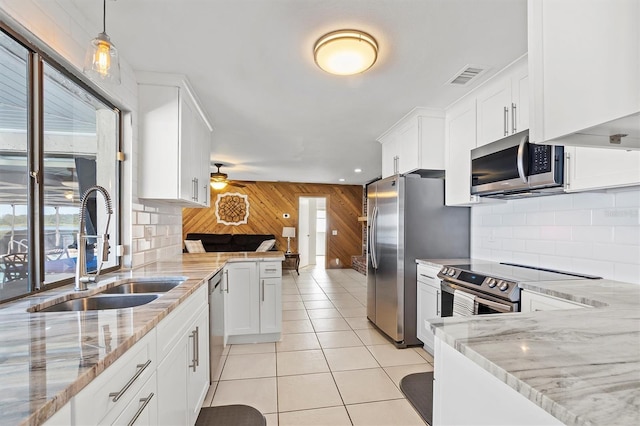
(236, 184)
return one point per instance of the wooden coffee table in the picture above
(296, 257)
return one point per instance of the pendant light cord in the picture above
(104, 16)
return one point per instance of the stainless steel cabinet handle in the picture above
(117, 395)
(514, 127)
(567, 171)
(145, 402)
(263, 290)
(271, 270)
(226, 273)
(438, 302)
(197, 351)
(193, 364)
(506, 119)
(427, 276)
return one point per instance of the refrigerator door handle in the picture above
(372, 242)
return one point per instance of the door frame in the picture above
(327, 240)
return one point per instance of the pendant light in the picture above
(102, 62)
(345, 52)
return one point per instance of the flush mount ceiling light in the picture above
(345, 52)
(101, 61)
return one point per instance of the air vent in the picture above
(467, 74)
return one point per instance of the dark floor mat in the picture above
(224, 415)
(418, 388)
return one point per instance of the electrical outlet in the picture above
(148, 233)
(337, 261)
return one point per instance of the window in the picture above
(57, 139)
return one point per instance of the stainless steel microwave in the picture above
(512, 167)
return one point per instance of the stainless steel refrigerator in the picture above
(407, 220)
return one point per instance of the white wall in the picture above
(67, 31)
(591, 232)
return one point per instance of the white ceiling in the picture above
(279, 117)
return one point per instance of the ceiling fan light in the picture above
(218, 185)
(345, 52)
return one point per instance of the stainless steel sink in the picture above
(129, 287)
(99, 302)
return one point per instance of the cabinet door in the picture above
(571, 51)
(427, 308)
(190, 154)
(242, 306)
(408, 147)
(204, 160)
(519, 113)
(494, 109)
(600, 168)
(432, 142)
(271, 305)
(461, 139)
(389, 157)
(199, 365)
(172, 386)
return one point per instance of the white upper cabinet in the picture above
(503, 104)
(175, 141)
(590, 168)
(461, 139)
(584, 65)
(415, 142)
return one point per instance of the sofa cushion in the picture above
(266, 245)
(230, 242)
(194, 246)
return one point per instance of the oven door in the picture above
(486, 304)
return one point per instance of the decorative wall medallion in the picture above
(232, 208)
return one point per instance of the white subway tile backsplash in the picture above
(573, 217)
(595, 233)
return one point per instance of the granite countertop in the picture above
(580, 365)
(47, 358)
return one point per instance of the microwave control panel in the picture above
(540, 159)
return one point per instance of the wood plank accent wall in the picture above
(269, 200)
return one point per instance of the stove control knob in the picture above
(444, 271)
(504, 286)
(452, 272)
(491, 282)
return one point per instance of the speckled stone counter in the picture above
(580, 365)
(47, 358)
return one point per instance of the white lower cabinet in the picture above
(530, 301)
(183, 373)
(466, 394)
(428, 302)
(252, 302)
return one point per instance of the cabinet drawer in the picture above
(142, 409)
(270, 269)
(171, 329)
(124, 377)
(429, 275)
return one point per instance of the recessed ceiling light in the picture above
(358, 170)
(345, 52)
(341, 179)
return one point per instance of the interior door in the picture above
(387, 238)
(303, 228)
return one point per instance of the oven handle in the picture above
(495, 305)
(449, 287)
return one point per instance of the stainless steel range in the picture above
(493, 286)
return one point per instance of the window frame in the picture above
(39, 54)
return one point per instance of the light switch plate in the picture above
(334, 232)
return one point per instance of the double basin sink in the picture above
(126, 294)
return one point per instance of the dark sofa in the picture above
(231, 242)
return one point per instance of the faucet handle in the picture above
(105, 247)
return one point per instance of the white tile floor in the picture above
(331, 366)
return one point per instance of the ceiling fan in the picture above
(219, 180)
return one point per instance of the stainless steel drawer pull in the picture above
(427, 276)
(197, 354)
(145, 402)
(117, 395)
(194, 362)
(263, 290)
(271, 270)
